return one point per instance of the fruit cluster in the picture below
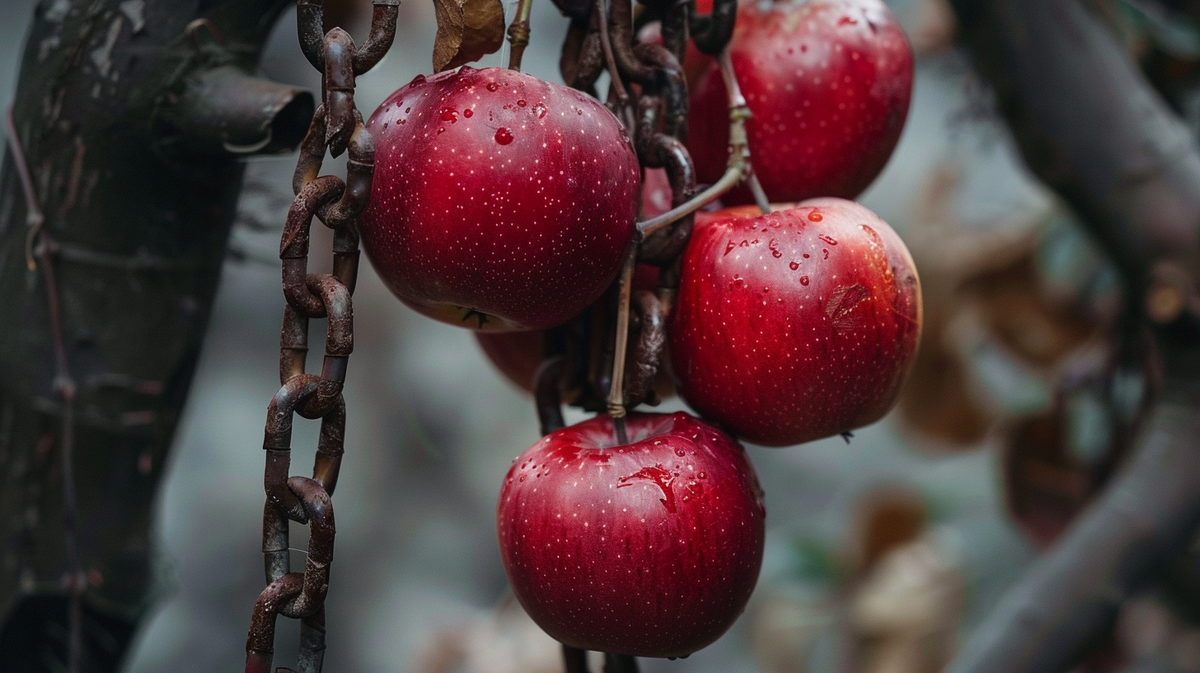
(509, 205)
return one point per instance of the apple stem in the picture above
(518, 34)
(616, 391)
(732, 176)
(739, 168)
(760, 197)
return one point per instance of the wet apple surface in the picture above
(795, 325)
(829, 84)
(499, 201)
(650, 548)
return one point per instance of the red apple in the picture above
(499, 201)
(650, 548)
(519, 354)
(828, 83)
(795, 325)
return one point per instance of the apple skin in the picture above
(649, 549)
(828, 83)
(795, 325)
(499, 201)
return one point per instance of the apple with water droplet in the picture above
(519, 354)
(828, 83)
(649, 548)
(499, 201)
(795, 325)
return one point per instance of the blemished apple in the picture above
(499, 201)
(795, 325)
(649, 548)
(828, 83)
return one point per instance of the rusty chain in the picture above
(337, 127)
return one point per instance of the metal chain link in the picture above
(337, 127)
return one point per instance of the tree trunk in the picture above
(133, 118)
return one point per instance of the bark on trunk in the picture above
(133, 126)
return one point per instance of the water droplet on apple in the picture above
(503, 136)
(814, 216)
(521, 103)
(679, 452)
(417, 81)
(827, 239)
(540, 109)
(441, 130)
(449, 115)
(492, 86)
(468, 113)
(804, 280)
(794, 265)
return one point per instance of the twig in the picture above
(39, 243)
(518, 34)
(616, 391)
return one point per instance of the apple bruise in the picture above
(499, 201)
(796, 325)
(649, 549)
(829, 84)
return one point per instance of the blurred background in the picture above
(880, 552)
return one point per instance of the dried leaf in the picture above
(467, 31)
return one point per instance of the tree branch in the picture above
(1090, 126)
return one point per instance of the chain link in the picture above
(337, 127)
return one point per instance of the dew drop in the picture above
(827, 239)
(679, 452)
(449, 115)
(417, 81)
(521, 103)
(441, 130)
(794, 265)
(540, 109)
(503, 136)
(804, 280)
(814, 216)
(468, 113)
(492, 86)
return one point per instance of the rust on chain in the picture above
(337, 125)
(379, 40)
(360, 168)
(338, 88)
(312, 152)
(647, 350)
(330, 447)
(293, 245)
(657, 149)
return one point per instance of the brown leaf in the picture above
(467, 31)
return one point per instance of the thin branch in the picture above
(1091, 127)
